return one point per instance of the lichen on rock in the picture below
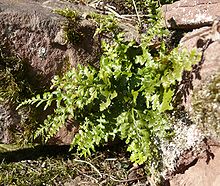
(187, 137)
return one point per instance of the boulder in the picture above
(201, 86)
(197, 164)
(203, 171)
(188, 14)
(32, 33)
(7, 119)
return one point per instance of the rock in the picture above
(30, 29)
(12, 123)
(199, 84)
(33, 33)
(187, 140)
(190, 39)
(188, 14)
(7, 119)
(200, 90)
(203, 171)
(65, 134)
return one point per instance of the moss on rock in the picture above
(15, 86)
(206, 106)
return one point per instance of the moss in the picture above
(41, 172)
(54, 165)
(9, 86)
(72, 26)
(15, 86)
(206, 106)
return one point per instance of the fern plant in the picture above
(127, 97)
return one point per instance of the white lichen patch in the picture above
(61, 37)
(198, 18)
(42, 52)
(187, 137)
(190, 132)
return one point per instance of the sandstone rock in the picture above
(204, 171)
(201, 90)
(32, 32)
(11, 122)
(190, 14)
(29, 29)
(66, 133)
(205, 72)
(190, 39)
(7, 119)
(210, 62)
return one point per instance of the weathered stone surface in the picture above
(205, 170)
(66, 133)
(190, 39)
(9, 123)
(29, 29)
(189, 14)
(201, 90)
(33, 33)
(208, 67)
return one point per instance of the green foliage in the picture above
(127, 97)
(106, 25)
(72, 25)
(67, 13)
(167, 1)
(11, 72)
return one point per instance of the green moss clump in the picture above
(72, 26)
(10, 74)
(14, 88)
(44, 171)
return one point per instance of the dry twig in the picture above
(82, 161)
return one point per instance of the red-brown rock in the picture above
(30, 30)
(204, 171)
(189, 14)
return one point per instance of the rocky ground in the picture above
(191, 159)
